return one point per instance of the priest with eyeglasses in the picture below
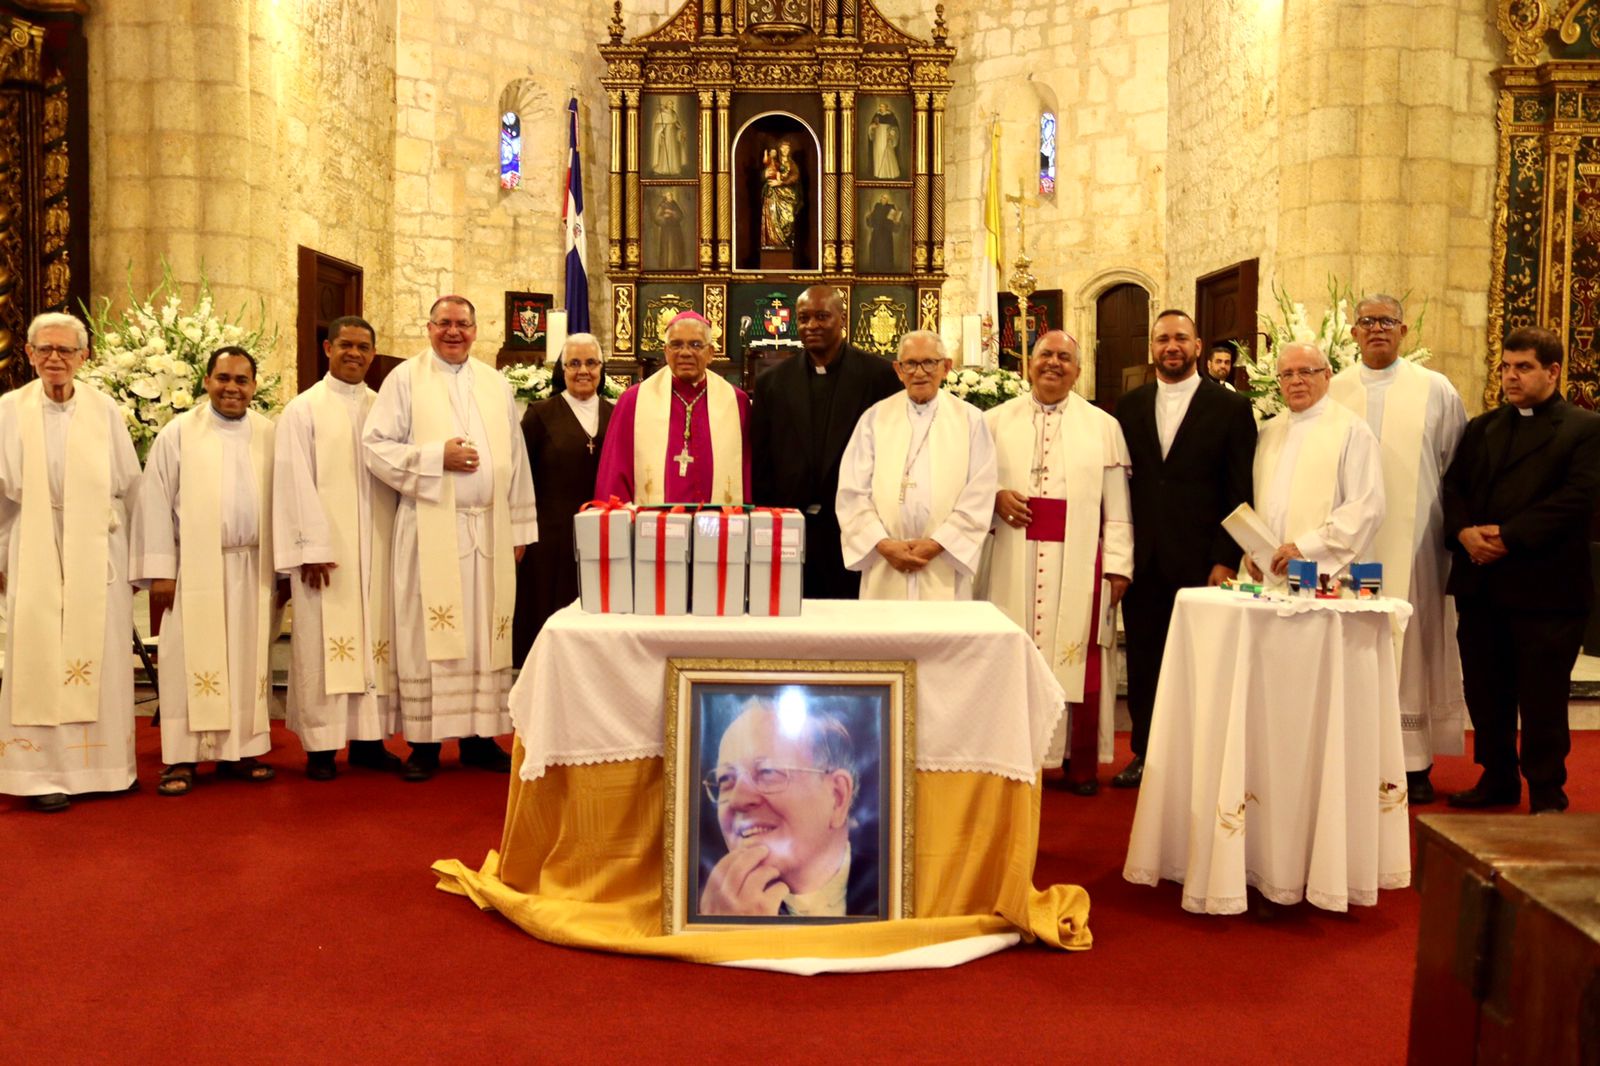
(917, 485)
(682, 435)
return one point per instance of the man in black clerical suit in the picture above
(805, 409)
(1518, 501)
(1191, 442)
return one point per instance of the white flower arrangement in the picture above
(531, 382)
(984, 389)
(150, 357)
(1332, 335)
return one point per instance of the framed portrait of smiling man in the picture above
(789, 792)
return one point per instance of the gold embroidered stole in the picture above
(949, 460)
(58, 612)
(351, 636)
(438, 552)
(1405, 418)
(201, 582)
(652, 428)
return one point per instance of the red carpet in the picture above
(298, 922)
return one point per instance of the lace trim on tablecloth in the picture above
(1291, 605)
(655, 751)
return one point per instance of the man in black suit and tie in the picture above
(1191, 442)
(1518, 500)
(805, 409)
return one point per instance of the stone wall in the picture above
(1103, 69)
(226, 132)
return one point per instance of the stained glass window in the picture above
(1047, 154)
(510, 150)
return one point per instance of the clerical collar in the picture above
(1188, 385)
(687, 389)
(335, 385)
(223, 420)
(1047, 408)
(1314, 411)
(921, 408)
(441, 363)
(1539, 408)
(831, 900)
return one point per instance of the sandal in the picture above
(176, 779)
(246, 769)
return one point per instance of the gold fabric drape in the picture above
(580, 864)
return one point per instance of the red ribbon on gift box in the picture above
(775, 582)
(722, 556)
(605, 507)
(661, 556)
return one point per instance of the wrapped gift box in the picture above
(603, 541)
(777, 556)
(721, 560)
(661, 561)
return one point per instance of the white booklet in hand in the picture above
(1253, 535)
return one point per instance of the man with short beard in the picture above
(1191, 442)
(804, 412)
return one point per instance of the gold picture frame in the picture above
(852, 724)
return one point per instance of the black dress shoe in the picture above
(1487, 794)
(1090, 787)
(1418, 788)
(419, 768)
(1546, 800)
(1131, 774)
(51, 803)
(320, 766)
(372, 755)
(485, 754)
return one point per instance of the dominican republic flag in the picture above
(572, 214)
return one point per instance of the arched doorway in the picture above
(1122, 342)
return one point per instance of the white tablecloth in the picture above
(593, 688)
(1274, 758)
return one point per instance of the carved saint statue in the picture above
(669, 217)
(882, 222)
(667, 148)
(780, 178)
(883, 139)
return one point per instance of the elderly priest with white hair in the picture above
(1062, 522)
(1318, 471)
(917, 485)
(444, 434)
(67, 475)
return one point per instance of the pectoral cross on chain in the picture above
(683, 459)
(590, 445)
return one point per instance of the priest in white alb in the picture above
(682, 435)
(67, 473)
(1318, 472)
(917, 485)
(444, 434)
(1063, 543)
(332, 522)
(202, 544)
(1418, 418)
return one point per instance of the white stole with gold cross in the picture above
(58, 606)
(438, 554)
(352, 637)
(201, 575)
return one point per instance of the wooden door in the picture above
(1225, 307)
(1122, 342)
(329, 289)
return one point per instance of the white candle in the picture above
(950, 333)
(555, 334)
(972, 340)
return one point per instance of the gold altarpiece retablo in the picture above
(758, 147)
(1546, 266)
(44, 198)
